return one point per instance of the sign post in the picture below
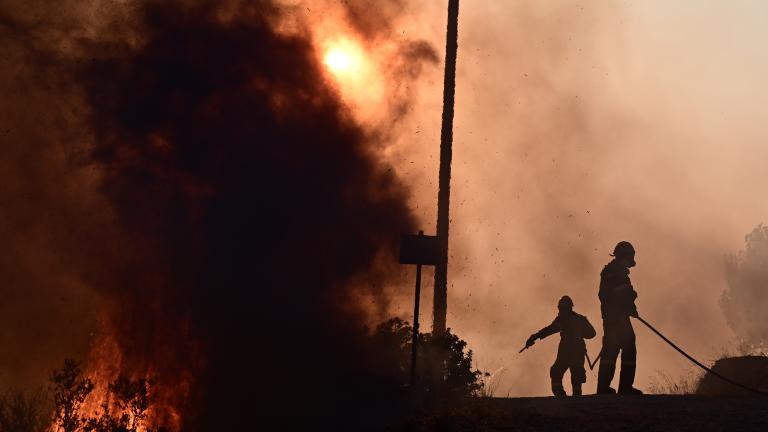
(419, 250)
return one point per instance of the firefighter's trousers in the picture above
(569, 356)
(618, 336)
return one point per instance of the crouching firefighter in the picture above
(573, 329)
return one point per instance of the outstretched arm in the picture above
(546, 331)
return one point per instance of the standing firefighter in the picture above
(617, 304)
(573, 329)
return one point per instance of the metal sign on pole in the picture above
(419, 250)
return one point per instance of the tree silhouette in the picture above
(444, 366)
(69, 390)
(124, 410)
(131, 400)
(745, 302)
(24, 411)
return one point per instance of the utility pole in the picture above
(440, 303)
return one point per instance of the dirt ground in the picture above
(606, 413)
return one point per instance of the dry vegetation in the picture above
(60, 406)
(22, 411)
(682, 385)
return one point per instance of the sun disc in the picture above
(338, 60)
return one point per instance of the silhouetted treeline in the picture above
(745, 300)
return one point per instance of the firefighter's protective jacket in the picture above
(573, 329)
(617, 296)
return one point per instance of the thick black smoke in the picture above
(255, 215)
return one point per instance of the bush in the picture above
(444, 365)
(69, 391)
(685, 384)
(131, 401)
(127, 412)
(24, 412)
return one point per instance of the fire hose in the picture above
(698, 363)
(686, 355)
(678, 349)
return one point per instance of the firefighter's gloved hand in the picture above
(531, 340)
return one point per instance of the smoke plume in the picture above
(246, 226)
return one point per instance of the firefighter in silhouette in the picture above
(573, 329)
(617, 304)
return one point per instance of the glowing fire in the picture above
(105, 364)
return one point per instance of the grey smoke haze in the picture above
(52, 224)
(580, 124)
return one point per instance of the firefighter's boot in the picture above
(557, 388)
(604, 378)
(627, 378)
(576, 389)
